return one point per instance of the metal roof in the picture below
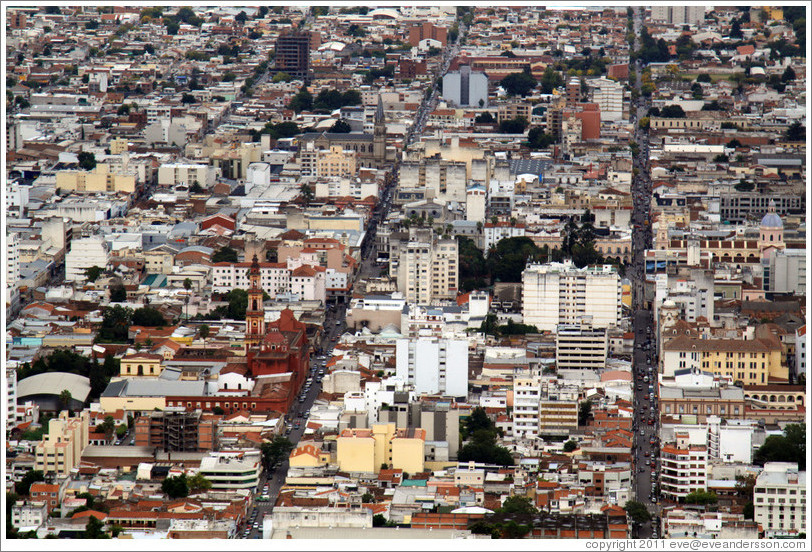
(53, 383)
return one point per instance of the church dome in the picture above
(771, 220)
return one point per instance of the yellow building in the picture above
(99, 179)
(118, 146)
(355, 451)
(61, 449)
(132, 404)
(366, 450)
(752, 361)
(336, 162)
(308, 455)
(141, 364)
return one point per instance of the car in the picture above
(302, 399)
(646, 455)
(639, 387)
(642, 432)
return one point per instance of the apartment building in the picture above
(433, 365)
(560, 293)
(336, 162)
(346, 187)
(61, 449)
(11, 395)
(684, 468)
(426, 267)
(526, 394)
(678, 15)
(174, 174)
(608, 94)
(228, 471)
(85, 253)
(466, 88)
(501, 230)
(751, 361)
(100, 179)
(780, 500)
(581, 346)
(274, 277)
(442, 180)
(558, 409)
(367, 450)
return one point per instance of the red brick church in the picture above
(278, 353)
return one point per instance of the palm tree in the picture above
(204, 333)
(187, 285)
(65, 398)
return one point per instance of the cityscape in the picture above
(409, 272)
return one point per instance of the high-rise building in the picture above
(780, 499)
(434, 365)
(525, 407)
(61, 449)
(581, 347)
(678, 15)
(560, 293)
(11, 392)
(176, 430)
(427, 30)
(85, 253)
(466, 87)
(293, 55)
(426, 267)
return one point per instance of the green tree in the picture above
(637, 511)
(550, 80)
(306, 191)
(176, 487)
(92, 273)
(107, 427)
(518, 84)
(482, 447)
(518, 505)
(485, 118)
(584, 412)
(203, 332)
(702, 498)
(241, 18)
(94, 529)
(673, 111)
(187, 98)
(796, 132)
(302, 101)
(341, 127)
(789, 447)
(225, 255)
(570, 445)
(23, 487)
(275, 451)
(118, 293)
(703, 77)
(116, 321)
(237, 303)
(281, 76)
(198, 484)
(87, 160)
(472, 266)
(378, 520)
(147, 316)
(508, 258)
(65, 398)
(538, 139)
(513, 126)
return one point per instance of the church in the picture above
(278, 352)
(370, 148)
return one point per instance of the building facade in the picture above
(560, 293)
(780, 499)
(434, 365)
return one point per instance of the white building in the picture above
(173, 174)
(466, 87)
(684, 467)
(526, 407)
(787, 272)
(560, 293)
(274, 277)
(500, 231)
(426, 268)
(780, 499)
(800, 350)
(16, 198)
(433, 365)
(232, 470)
(85, 253)
(581, 346)
(11, 394)
(731, 441)
(678, 15)
(346, 187)
(28, 516)
(257, 174)
(608, 94)
(475, 202)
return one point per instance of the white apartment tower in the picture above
(780, 499)
(85, 253)
(434, 365)
(560, 293)
(526, 407)
(426, 268)
(679, 15)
